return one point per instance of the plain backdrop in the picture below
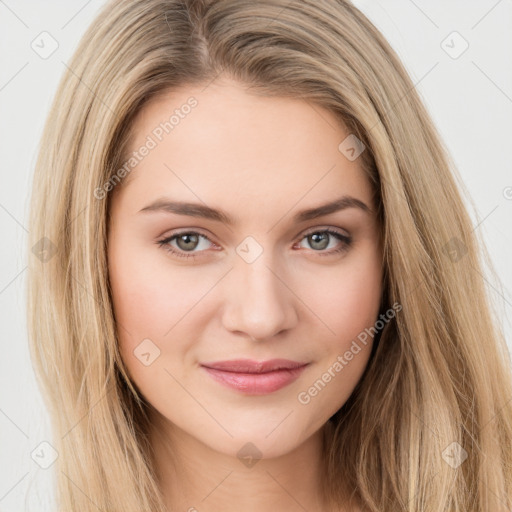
(459, 55)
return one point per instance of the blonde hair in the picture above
(440, 371)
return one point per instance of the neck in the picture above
(194, 476)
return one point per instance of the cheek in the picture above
(346, 298)
(348, 305)
(152, 301)
(154, 306)
(150, 296)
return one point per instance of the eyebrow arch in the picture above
(200, 210)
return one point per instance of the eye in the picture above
(188, 241)
(319, 240)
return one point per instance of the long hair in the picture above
(427, 428)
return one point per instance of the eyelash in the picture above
(346, 242)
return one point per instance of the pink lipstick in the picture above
(255, 377)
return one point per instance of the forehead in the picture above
(221, 143)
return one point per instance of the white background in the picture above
(469, 98)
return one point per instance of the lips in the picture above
(250, 366)
(255, 377)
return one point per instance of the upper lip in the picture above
(250, 366)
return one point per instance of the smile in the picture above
(255, 378)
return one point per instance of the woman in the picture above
(198, 348)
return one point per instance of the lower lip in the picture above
(256, 383)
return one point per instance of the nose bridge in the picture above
(262, 305)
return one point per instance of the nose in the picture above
(258, 300)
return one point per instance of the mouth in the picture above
(255, 377)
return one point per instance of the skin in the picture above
(261, 160)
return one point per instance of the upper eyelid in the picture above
(325, 228)
(303, 234)
(185, 232)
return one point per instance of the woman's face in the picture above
(218, 251)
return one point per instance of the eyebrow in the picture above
(200, 210)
